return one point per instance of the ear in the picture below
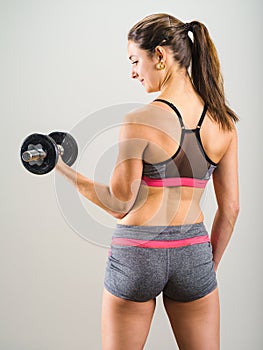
(160, 53)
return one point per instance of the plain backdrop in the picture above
(63, 65)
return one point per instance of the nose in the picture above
(134, 74)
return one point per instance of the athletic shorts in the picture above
(145, 261)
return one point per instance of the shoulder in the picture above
(152, 117)
(139, 115)
(216, 140)
(138, 122)
(232, 137)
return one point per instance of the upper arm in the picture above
(126, 177)
(225, 177)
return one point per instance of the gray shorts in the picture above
(147, 260)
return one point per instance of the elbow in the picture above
(122, 206)
(234, 212)
(234, 209)
(122, 211)
(237, 209)
(119, 215)
(231, 210)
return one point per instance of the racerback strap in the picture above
(202, 117)
(170, 104)
(174, 108)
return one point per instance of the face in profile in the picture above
(144, 68)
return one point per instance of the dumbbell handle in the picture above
(35, 155)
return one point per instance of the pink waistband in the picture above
(174, 182)
(159, 244)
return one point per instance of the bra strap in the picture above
(202, 116)
(175, 110)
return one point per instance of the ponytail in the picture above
(207, 78)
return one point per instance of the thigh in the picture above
(125, 323)
(196, 324)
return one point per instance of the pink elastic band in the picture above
(159, 244)
(174, 182)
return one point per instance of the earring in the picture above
(160, 65)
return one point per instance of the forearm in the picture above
(97, 193)
(222, 229)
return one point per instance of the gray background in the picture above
(60, 62)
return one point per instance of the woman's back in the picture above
(165, 134)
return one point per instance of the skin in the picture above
(152, 134)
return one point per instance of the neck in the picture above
(177, 86)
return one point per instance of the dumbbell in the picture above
(39, 153)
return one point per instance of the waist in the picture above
(160, 236)
(165, 206)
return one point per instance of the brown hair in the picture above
(200, 54)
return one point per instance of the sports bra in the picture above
(189, 166)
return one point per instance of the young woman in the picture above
(168, 150)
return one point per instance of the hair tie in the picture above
(188, 27)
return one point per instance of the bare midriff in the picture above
(162, 206)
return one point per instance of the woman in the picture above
(168, 150)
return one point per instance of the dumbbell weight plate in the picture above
(49, 147)
(69, 145)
